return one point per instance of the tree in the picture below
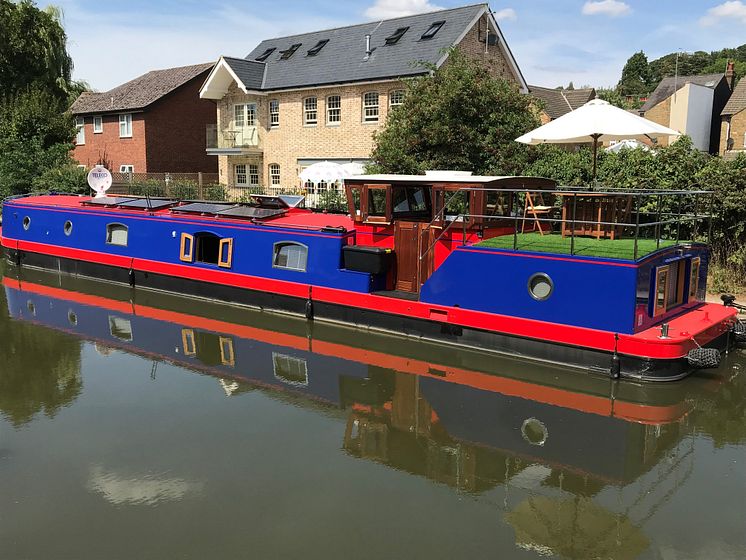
(458, 117)
(635, 76)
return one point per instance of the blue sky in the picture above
(554, 41)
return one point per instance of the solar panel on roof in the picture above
(108, 201)
(147, 204)
(252, 212)
(202, 208)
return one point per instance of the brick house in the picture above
(294, 101)
(560, 101)
(691, 105)
(733, 125)
(152, 124)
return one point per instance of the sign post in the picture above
(99, 179)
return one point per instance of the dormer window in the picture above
(265, 55)
(434, 28)
(398, 34)
(317, 47)
(286, 54)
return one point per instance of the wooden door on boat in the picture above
(409, 241)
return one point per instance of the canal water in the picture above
(140, 425)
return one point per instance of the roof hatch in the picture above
(434, 28)
(265, 55)
(398, 34)
(317, 47)
(290, 51)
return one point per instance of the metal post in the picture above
(709, 218)
(657, 223)
(200, 185)
(696, 216)
(637, 223)
(515, 221)
(572, 232)
(678, 220)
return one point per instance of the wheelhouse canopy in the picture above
(596, 120)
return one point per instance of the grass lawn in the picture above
(586, 246)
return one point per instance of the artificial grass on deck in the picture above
(585, 246)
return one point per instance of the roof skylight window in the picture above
(398, 34)
(434, 28)
(290, 52)
(265, 55)
(317, 47)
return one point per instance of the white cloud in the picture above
(505, 14)
(384, 9)
(613, 8)
(735, 10)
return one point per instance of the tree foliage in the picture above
(460, 117)
(636, 77)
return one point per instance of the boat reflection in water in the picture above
(466, 419)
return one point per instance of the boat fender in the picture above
(739, 332)
(309, 310)
(132, 277)
(703, 358)
(18, 257)
(616, 366)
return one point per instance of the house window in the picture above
(274, 113)
(126, 168)
(265, 55)
(274, 174)
(116, 234)
(370, 106)
(98, 124)
(333, 109)
(289, 255)
(125, 125)
(253, 174)
(287, 53)
(80, 128)
(240, 170)
(317, 47)
(244, 115)
(398, 34)
(396, 98)
(310, 106)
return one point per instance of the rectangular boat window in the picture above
(354, 194)
(675, 294)
(120, 328)
(207, 248)
(694, 279)
(186, 253)
(116, 234)
(292, 256)
(227, 356)
(376, 203)
(290, 370)
(661, 289)
(226, 252)
(188, 342)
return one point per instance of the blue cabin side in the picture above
(160, 238)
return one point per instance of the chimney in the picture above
(730, 74)
(367, 46)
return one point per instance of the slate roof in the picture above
(138, 93)
(250, 72)
(558, 102)
(343, 58)
(669, 85)
(737, 101)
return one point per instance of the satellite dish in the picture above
(99, 179)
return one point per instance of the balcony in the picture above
(232, 141)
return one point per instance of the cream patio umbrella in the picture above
(596, 121)
(323, 172)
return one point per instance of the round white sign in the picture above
(99, 180)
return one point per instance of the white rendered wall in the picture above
(691, 113)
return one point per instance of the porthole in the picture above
(72, 318)
(26, 223)
(68, 227)
(540, 286)
(534, 431)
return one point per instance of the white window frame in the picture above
(371, 106)
(125, 125)
(126, 168)
(274, 173)
(239, 172)
(117, 234)
(253, 174)
(334, 109)
(274, 113)
(98, 124)
(398, 93)
(299, 261)
(310, 111)
(80, 131)
(247, 114)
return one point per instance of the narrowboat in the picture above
(604, 281)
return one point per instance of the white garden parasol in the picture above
(323, 172)
(594, 121)
(353, 168)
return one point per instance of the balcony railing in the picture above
(234, 138)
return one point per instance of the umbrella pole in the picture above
(595, 155)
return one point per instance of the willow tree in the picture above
(460, 117)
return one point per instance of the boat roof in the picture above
(444, 177)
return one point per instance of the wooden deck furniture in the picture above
(593, 213)
(535, 207)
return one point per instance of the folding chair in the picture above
(535, 207)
